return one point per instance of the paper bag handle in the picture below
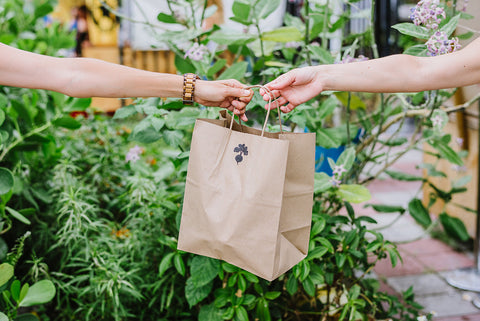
(270, 94)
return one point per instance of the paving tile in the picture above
(423, 284)
(409, 266)
(449, 304)
(470, 317)
(445, 261)
(425, 246)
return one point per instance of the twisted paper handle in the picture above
(271, 98)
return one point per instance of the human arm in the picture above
(86, 77)
(396, 73)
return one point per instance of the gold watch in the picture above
(189, 88)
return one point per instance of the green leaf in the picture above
(383, 208)
(272, 295)
(145, 132)
(195, 294)
(26, 317)
(217, 66)
(291, 285)
(416, 50)
(324, 56)
(322, 183)
(231, 37)
(166, 18)
(24, 291)
(203, 270)
(125, 112)
(179, 265)
(265, 8)
(446, 152)
(241, 314)
(354, 193)
(210, 313)
(355, 101)
(6, 180)
(328, 138)
(173, 138)
(15, 290)
(283, 34)
(451, 25)
(403, 176)
(236, 71)
(18, 216)
(2, 116)
(77, 104)
(6, 273)
(241, 10)
(67, 122)
(165, 264)
(419, 212)
(39, 293)
(346, 158)
(309, 287)
(317, 252)
(43, 10)
(454, 227)
(262, 310)
(410, 29)
(183, 66)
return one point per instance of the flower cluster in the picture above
(348, 59)
(428, 13)
(439, 44)
(196, 52)
(337, 171)
(133, 154)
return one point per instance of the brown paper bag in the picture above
(248, 199)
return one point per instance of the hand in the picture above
(229, 94)
(293, 88)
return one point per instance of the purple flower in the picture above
(427, 13)
(439, 44)
(293, 44)
(338, 170)
(133, 154)
(335, 182)
(196, 52)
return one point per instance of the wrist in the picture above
(189, 86)
(323, 77)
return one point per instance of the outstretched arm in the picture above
(396, 73)
(85, 77)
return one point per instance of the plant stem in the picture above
(22, 138)
(307, 31)
(349, 100)
(372, 30)
(325, 25)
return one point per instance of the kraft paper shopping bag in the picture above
(248, 196)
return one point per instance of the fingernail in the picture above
(246, 92)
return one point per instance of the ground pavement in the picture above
(426, 261)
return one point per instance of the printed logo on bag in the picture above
(242, 150)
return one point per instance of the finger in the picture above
(238, 105)
(287, 108)
(281, 101)
(274, 93)
(240, 114)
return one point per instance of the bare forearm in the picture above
(404, 73)
(94, 78)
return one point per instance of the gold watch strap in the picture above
(189, 88)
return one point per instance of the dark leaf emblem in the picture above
(242, 150)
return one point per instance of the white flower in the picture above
(422, 318)
(339, 170)
(437, 121)
(133, 154)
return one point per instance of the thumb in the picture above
(238, 92)
(281, 82)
